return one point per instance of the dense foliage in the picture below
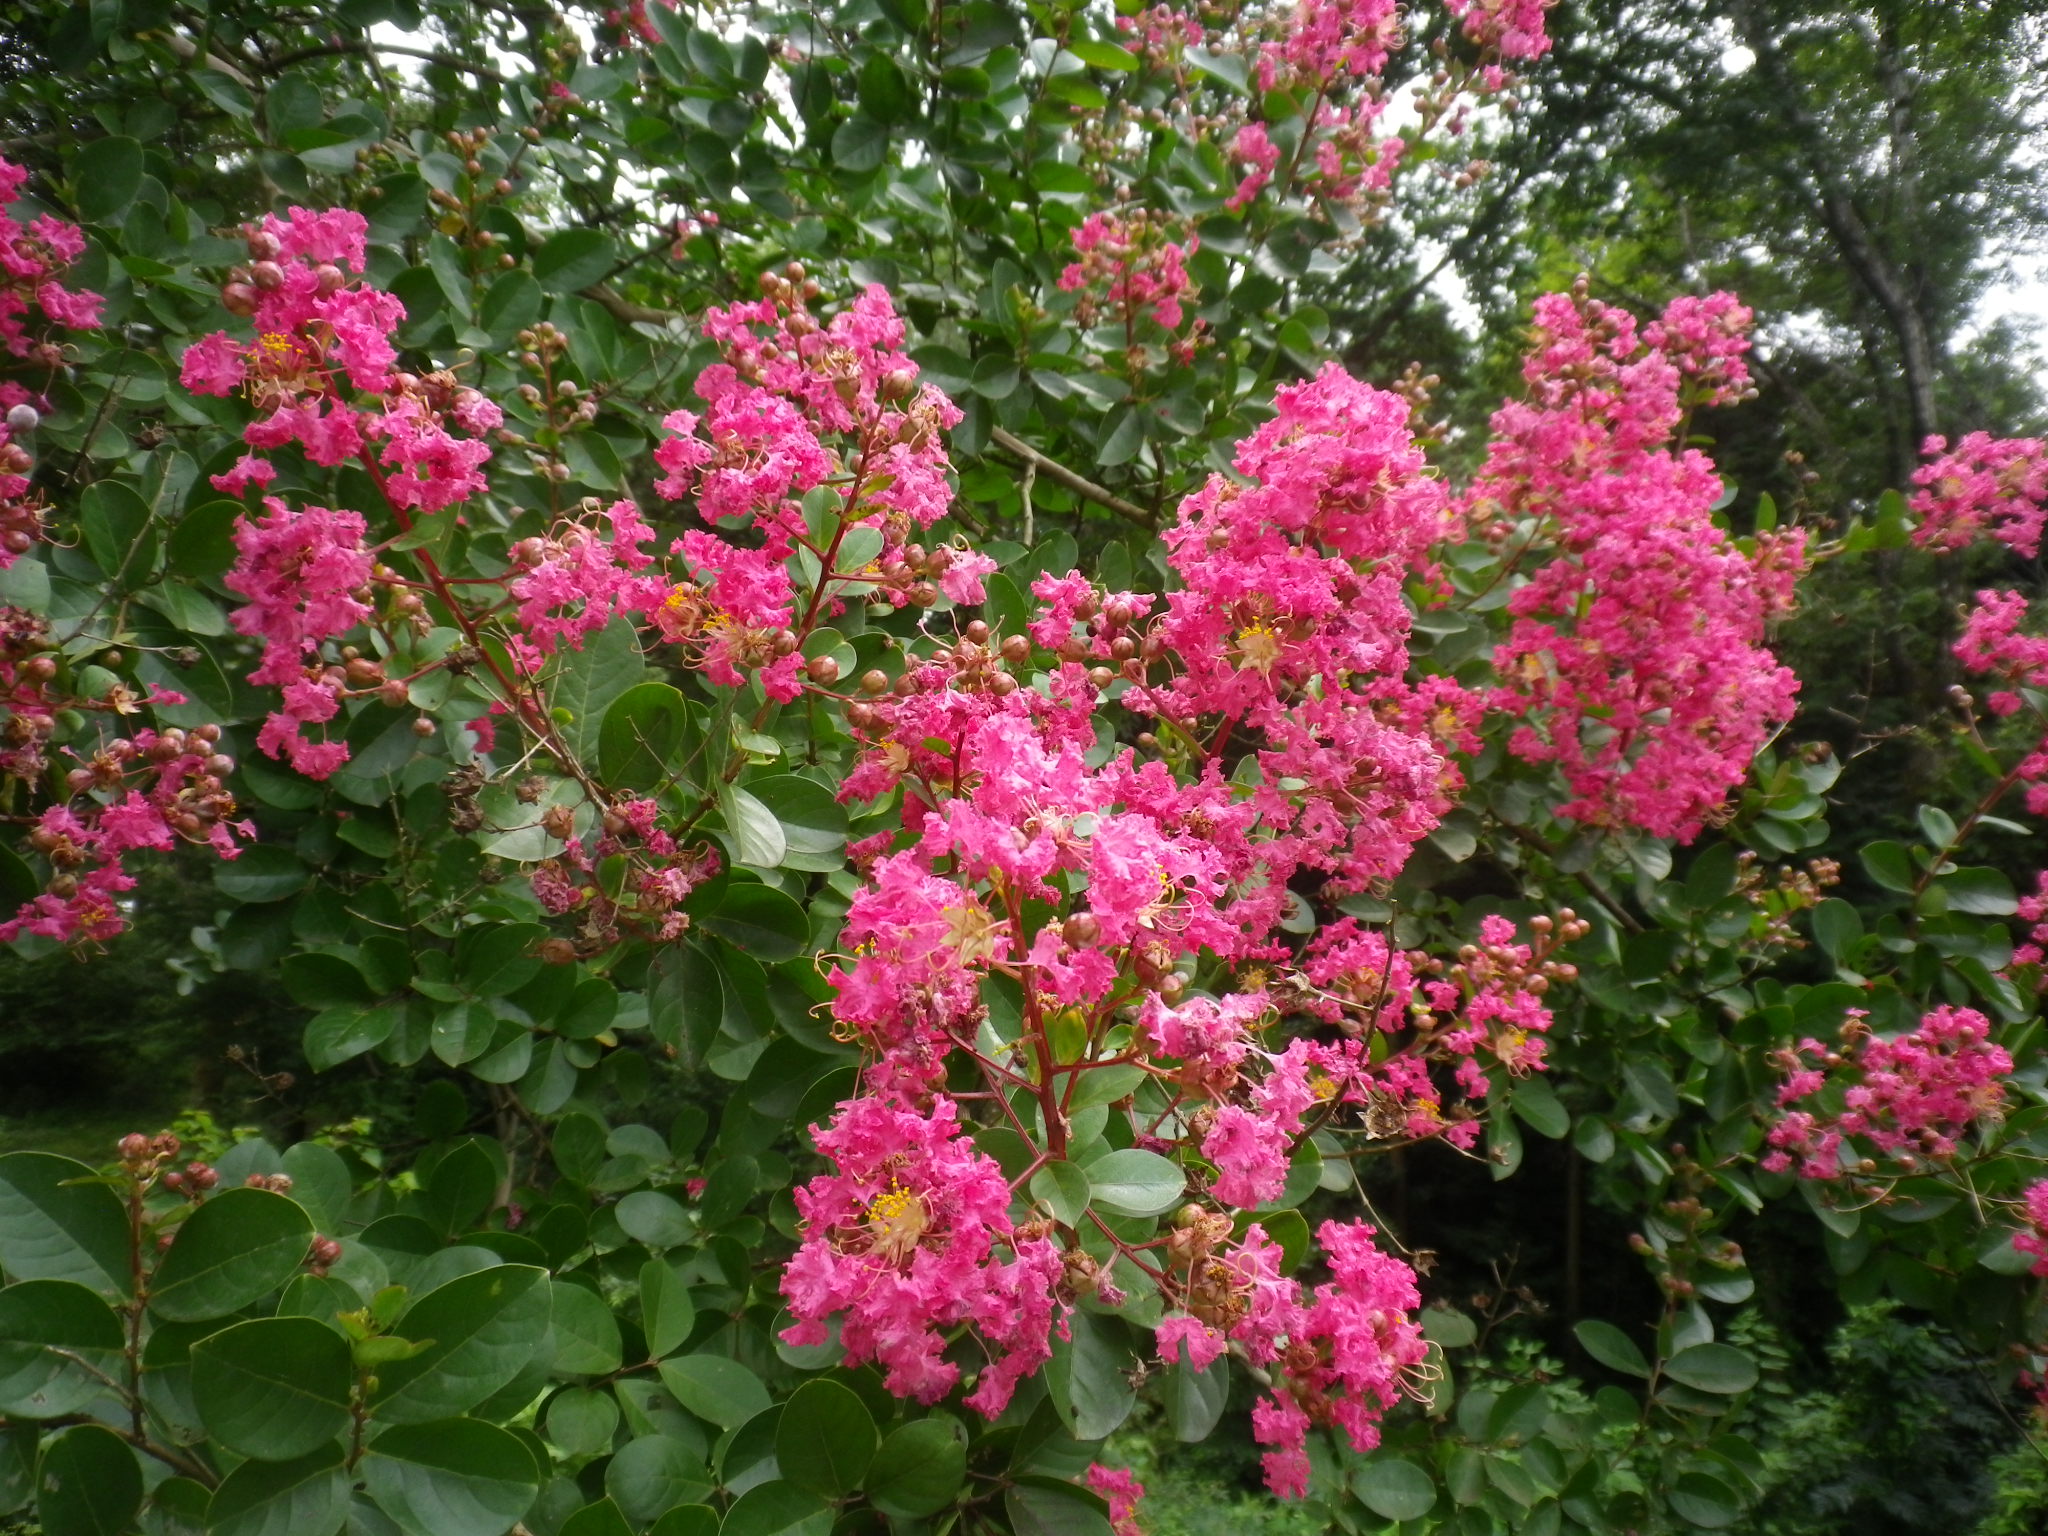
(904, 830)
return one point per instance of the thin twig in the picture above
(1080, 485)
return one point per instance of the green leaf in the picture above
(655, 1473)
(335, 1035)
(1044, 1506)
(1979, 891)
(860, 144)
(1611, 1347)
(573, 259)
(225, 92)
(718, 1390)
(458, 1477)
(1195, 1399)
(87, 1484)
(825, 1439)
(1063, 1189)
(640, 742)
(777, 1509)
(752, 832)
(604, 1518)
(918, 1471)
(1394, 1489)
(240, 1245)
(582, 1420)
(586, 1333)
(107, 174)
(481, 1329)
(1836, 927)
(761, 922)
(1889, 865)
(1134, 1182)
(667, 1315)
(53, 1335)
(813, 821)
(325, 981)
(513, 303)
(274, 1389)
(650, 1217)
(1090, 1375)
(1712, 1368)
(306, 1496)
(116, 525)
(1705, 1501)
(581, 685)
(687, 1520)
(1536, 1102)
(1101, 55)
(58, 1222)
(260, 874)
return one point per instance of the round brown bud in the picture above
(557, 951)
(423, 727)
(238, 298)
(975, 633)
(822, 670)
(874, 680)
(1081, 930)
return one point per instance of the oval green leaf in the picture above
(480, 1330)
(825, 1440)
(241, 1244)
(59, 1222)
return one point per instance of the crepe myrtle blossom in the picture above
(909, 1237)
(1636, 659)
(1337, 1355)
(2034, 1241)
(1991, 645)
(1982, 486)
(1911, 1099)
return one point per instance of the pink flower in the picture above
(1636, 658)
(901, 1242)
(1121, 1492)
(1982, 485)
(1513, 29)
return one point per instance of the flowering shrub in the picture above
(1034, 942)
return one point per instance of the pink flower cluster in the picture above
(796, 405)
(1336, 1356)
(1289, 633)
(1982, 486)
(150, 791)
(2033, 910)
(660, 875)
(33, 258)
(1910, 1098)
(1991, 645)
(322, 337)
(2034, 1241)
(1121, 1492)
(1636, 658)
(1328, 43)
(306, 576)
(1510, 29)
(905, 1241)
(1132, 261)
(1161, 32)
